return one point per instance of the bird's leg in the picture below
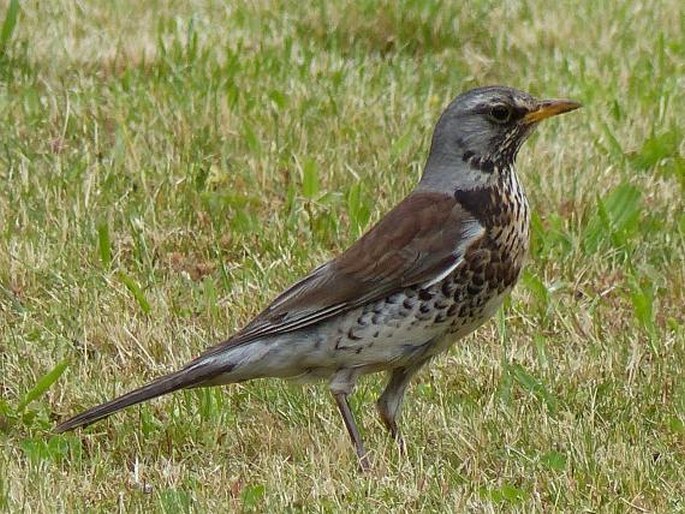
(391, 400)
(348, 418)
(341, 386)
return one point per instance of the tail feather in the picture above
(193, 375)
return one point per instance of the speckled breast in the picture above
(493, 264)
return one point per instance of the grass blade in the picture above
(310, 179)
(136, 291)
(533, 386)
(43, 385)
(104, 245)
(9, 25)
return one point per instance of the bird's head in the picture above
(479, 134)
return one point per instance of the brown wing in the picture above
(421, 239)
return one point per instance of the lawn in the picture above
(166, 168)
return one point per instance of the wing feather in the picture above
(420, 241)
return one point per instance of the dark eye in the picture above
(500, 113)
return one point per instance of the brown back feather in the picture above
(419, 239)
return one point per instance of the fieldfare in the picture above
(431, 271)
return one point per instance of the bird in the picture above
(432, 270)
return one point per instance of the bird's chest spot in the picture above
(511, 237)
(491, 266)
(508, 228)
(502, 208)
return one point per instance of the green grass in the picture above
(166, 168)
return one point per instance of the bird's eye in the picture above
(500, 113)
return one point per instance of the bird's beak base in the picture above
(549, 108)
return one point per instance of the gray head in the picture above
(479, 134)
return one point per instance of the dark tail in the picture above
(192, 375)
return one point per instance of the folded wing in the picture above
(419, 242)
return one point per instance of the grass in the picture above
(169, 167)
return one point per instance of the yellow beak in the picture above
(548, 108)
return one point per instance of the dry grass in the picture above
(153, 158)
